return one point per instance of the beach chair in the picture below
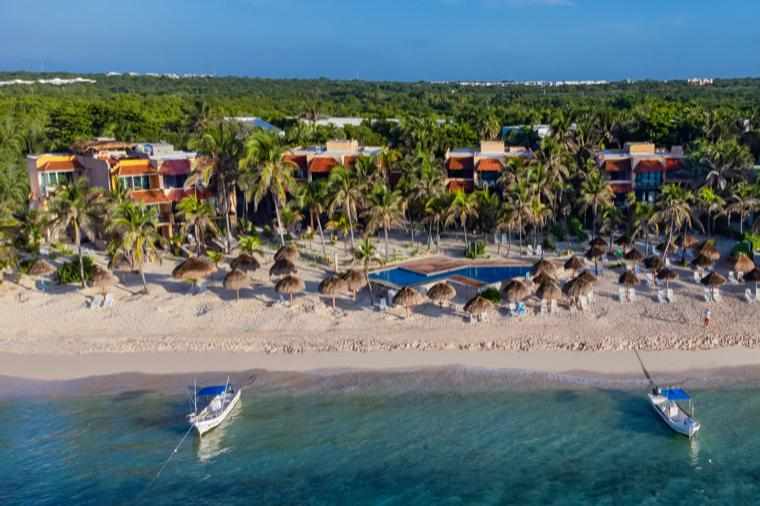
(748, 296)
(512, 309)
(707, 295)
(696, 276)
(583, 301)
(108, 301)
(637, 269)
(732, 278)
(590, 297)
(621, 295)
(42, 285)
(543, 308)
(716, 295)
(96, 302)
(539, 251)
(530, 250)
(670, 296)
(632, 294)
(661, 297)
(740, 277)
(382, 305)
(667, 261)
(553, 307)
(757, 293)
(521, 309)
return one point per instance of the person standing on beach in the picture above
(708, 314)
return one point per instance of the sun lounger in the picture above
(667, 261)
(632, 294)
(670, 296)
(543, 308)
(96, 302)
(621, 294)
(530, 250)
(42, 285)
(591, 296)
(716, 295)
(382, 305)
(583, 301)
(108, 301)
(553, 307)
(707, 295)
(512, 309)
(697, 277)
(748, 296)
(740, 277)
(661, 297)
(757, 293)
(732, 278)
(539, 251)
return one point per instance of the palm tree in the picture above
(346, 193)
(462, 207)
(743, 201)
(595, 192)
(673, 211)
(340, 223)
(366, 253)
(711, 204)
(8, 253)
(30, 229)
(313, 197)
(249, 244)
(386, 209)
(136, 236)
(518, 200)
(200, 215)
(76, 205)
(725, 160)
(220, 143)
(641, 221)
(271, 174)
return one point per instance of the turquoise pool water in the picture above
(484, 274)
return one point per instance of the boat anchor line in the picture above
(168, 459)
(644, 369)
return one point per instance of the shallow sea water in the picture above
(558, 445)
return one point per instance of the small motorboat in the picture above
(665, 403)
(217, 401)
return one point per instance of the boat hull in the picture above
(204, 426)
(688, 428)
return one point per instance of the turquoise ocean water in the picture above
(556, 445)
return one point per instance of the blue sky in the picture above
(387, 39)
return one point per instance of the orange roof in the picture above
(150, 196)
(175, 167)
(618, 165)
(673, 163)
(621, 187)
(459, 163)
(348, 161)
(59, 166)
(299, 160)
(454, 185)
(650, 166)
(490, 165)
(134, 167)
(322, 165)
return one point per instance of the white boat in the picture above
(665, 403)
(219, 401)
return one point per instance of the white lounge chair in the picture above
(757, 293)
(539, 251)
(632, 294)
(667, 261)
(621, 294)
(543, 308)
(670, 296)
(583, 301)
(96, 302)
(511, 308)
(707, 295)
(740, 277)
(716, 295)
(530, 250)
(732, 278)
(382, 305)
(553, 307)
(108, 301)
(748, 296)
(591, 297)
(661, 297)
(696, 276)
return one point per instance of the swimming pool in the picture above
(486, 275)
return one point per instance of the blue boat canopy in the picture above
(212, 390)
(675, 394)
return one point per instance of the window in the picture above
(49, 180)
(135, 182)
(177, 181)
(646, 180)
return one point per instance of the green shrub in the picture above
(744, 247)
(491, 294)
(215, 256)
(549, 243)
(476, 249)
(69, 272)
(559, 230)
(575, 227)
(753, 239)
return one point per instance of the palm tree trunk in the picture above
(350, 226)
(333, 303)
(227, 224)
(464, 227)
(369, 285)
(145, 284)
(385, 228)
(197, 238)
(322, 236)
(78, 239)
(279, 222)
(237, 295)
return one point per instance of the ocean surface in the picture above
(365, 444)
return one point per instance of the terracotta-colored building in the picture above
(468, 168)
(641, 168)
(316, 162)
(154, 173)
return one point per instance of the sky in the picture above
(399, 40)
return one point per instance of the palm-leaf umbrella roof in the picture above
(408, 297)
(688, 241)
(235, 280)
(623, 241)
(574, 263)
(753, 276)
(515, 291)
(287, 252)
(708, 249)
(585, 277)
(713, 279)
(628, 278)
(742, 263)
(354, 279)
(289, 285)
(666, 274)
(478, 305)
(40, 267)
(702, 261)
(654, 263)
(245, 263)
(332, 285)
(543, 266)
(577, 287)
(598, 242)
(595, 252)
(633, 255)
(194, 268)
(543, 277)
(103, 279)
(549, 291)
(441, 292)
(283, 267)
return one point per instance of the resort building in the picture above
(154, 173)
(316, 162)
(641, 168)
(468, 168)
(254, 122)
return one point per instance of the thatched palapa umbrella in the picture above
(283, 267)
(598, 242)
(586, 277)
(40, 267)
(543, 277)
(688, 241)
(577, 287)
(515, 291)
(478, 306)
(667, 275)
(623, 241)
(628, 278)
(245, 263)
(654, 263)
(595, 253)
(408, 297)
(287, 252)
(441, 292)
(331, 287)
(543, 266)
(289, 285)
(549, 292)
(194, 269)
(753, 276)
(708, 249)
(235, 280)
(103, 279)
(355, 281)
(574, 263)
(702, 262)
(742, 263)
(633, 255)
(713, 280)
